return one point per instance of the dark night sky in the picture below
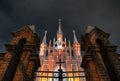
(75, 14)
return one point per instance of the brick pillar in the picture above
(90, 69)
(94, 65)
(114, 61)
(21, 73)
(98, 59)
(4, 65)
(101, 67)
(30, 68)
(93, 70)
(14, 61)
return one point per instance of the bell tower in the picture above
(101, 61)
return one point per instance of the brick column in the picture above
(114, 61)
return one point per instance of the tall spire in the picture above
(59, 33)
(44, 38)
(75, 38)
(59, 29)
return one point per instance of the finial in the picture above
(45, 31)
(73, 31)
(54, 40)
(44, 38)
(65, 39)
(59, 30)
(69, 43)
(75, 38)
(59, 20)
(70, 47)
(50, 43)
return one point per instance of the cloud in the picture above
(75, 14)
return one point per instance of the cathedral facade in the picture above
(26, 59)
(59, 49)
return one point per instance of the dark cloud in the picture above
(76, 14)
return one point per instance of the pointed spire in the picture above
(75, 38)
(69, 47)
(44, 38)
(69, 43)
(59, 29)
(54, 40)
(65, 39)
(49, 43)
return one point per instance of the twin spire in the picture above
(44, 38)
(75, 38)
(59, 33)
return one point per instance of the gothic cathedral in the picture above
(61, 50)
(28, 59)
